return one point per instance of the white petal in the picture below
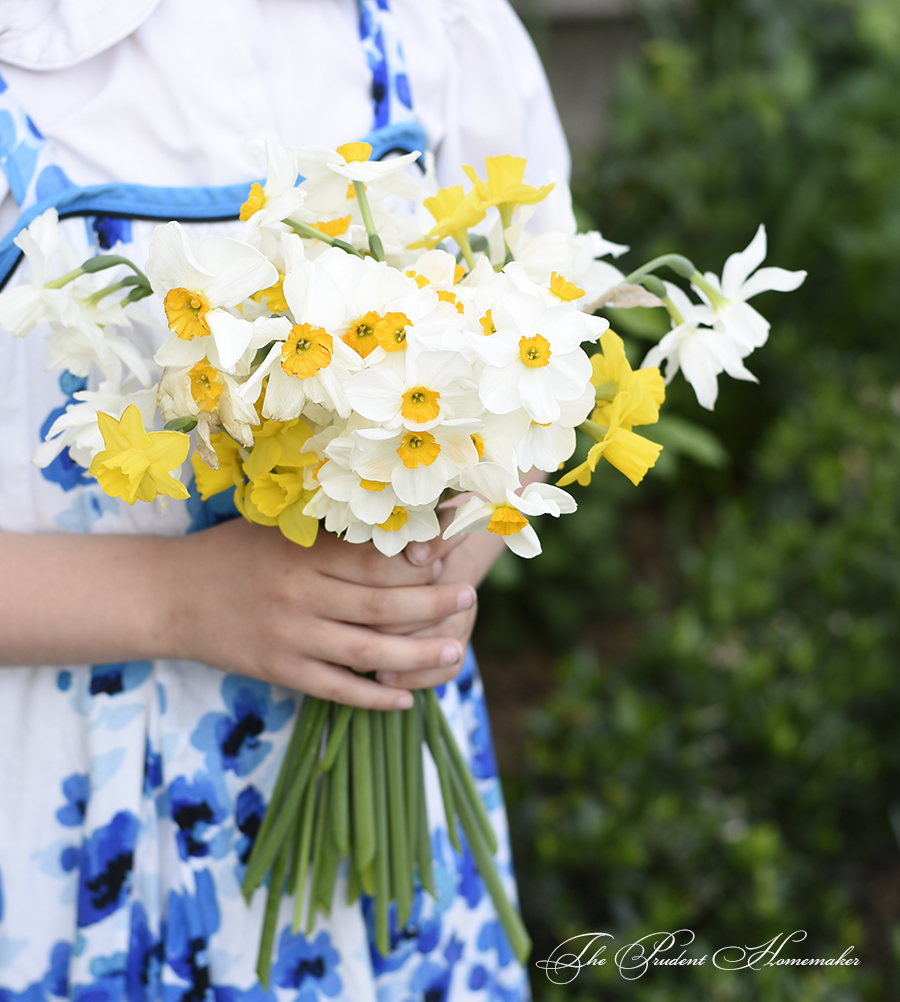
(739, 266)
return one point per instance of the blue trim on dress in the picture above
(139, 201)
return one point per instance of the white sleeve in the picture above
(479, 88)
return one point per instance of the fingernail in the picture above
(404, 702)
(449, 655)
(418, 553)
(387, 677)
(465, 599)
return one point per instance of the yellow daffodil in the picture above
(229, 473)
(504, 187)
(454, 214)
(612, 374)
(136, 464)
(630, 453)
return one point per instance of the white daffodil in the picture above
(305, 363)
(419, 465)
(533, 357)
(742, 278)
(23, 306)
(430, 387)
(78, 348)
(199, 283)
(405, 524)
(698, 350)
(269, 204)
(504, 505)
(202, 392)
(327, 174)
(547, 446)
(77, 428)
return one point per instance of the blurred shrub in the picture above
(733, 765)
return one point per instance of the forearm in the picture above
(87, 599)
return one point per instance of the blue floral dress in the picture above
(131, 794)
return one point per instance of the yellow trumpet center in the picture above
(418, 448)
(391, 331)
(334, 227)
(206, 386)
(420, 405)
(478, 442)
(361, 334)
(396, 520)
(506, 520)
(487, 324)
(186, 312)
(372, 485)
(534, 351)
(255, 201)
(306, 351)
(355, 151)
(563, 289)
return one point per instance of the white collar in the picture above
(56, 34)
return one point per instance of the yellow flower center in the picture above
(506, 520)
(487, 324)
(478, 442)
(306, 350)
(372, 485)
(396, 520)
(255, 201)
(355, 151)
(391, 331)
(563, 289)
(420, 405)
(534, 351)
(361, 334)
(418, 448)
(458, 273)
(186, 312)
(334, 227)
(275, 296)
(450, 297)
(421, 280)
(206, 387)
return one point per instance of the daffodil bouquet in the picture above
(368, 346)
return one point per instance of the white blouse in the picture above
(185, 92)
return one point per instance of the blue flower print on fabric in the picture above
(212, 511)
(431, 981)
(195, 807)
(54, 982)
(145, 956)
(470, 883)
(417, 936)
(309, 967)
(107, 858)
(484, 765)
(152, 770)
(248, 815)
(76, 789)
(107, 231)
(391, 96)
(492, 937)
(193, 919)
(231, 740)
(123, 676)
(64, 470)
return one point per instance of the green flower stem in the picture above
(412, 757)
(382, 859)
(69, 276)
(94, 299)
(280, 783)
(264, 851)
(423, 840)
(340, 798)
(473, 797)
(512, 923)
(267, 939)
(677, 262)
(673, 310)
(305, 230)
(304, 842)
(401, 857)
(595, 431)
(363, 785)
(462, 238)
(713, 295)
(317, 861)
(375, 245)
(354, 884)
(436, 746)
(336, 735)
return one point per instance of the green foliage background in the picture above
(721, 749)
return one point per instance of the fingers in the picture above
(367, 650)
(361, 563)
(367, 606)
(332, 682)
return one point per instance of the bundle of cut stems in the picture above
(352, 784)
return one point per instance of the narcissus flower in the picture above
(504, 186)
(279, 198)
(136, 464)
(328, 172)
(612, 373)
(503, 510)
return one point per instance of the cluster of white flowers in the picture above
(339, 363)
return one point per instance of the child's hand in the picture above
(260, 605)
